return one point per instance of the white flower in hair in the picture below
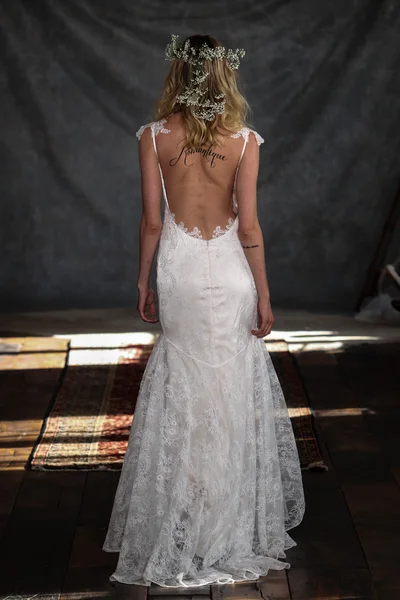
(194, 94)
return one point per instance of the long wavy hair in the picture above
(220, 79)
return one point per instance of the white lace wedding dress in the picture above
(211, 480)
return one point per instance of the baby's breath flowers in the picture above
(195, 94)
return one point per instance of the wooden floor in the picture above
(53, 524)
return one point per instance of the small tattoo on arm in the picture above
(255, 246)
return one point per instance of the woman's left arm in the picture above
(150, 224)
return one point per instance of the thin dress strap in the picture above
(235, 206)
(153, 135)
(245, 132)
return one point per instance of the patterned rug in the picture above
(89, 422)
(299, 409)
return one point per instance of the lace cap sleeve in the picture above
(157, 127)
(245, 132)
(139, 132)
(258, 137)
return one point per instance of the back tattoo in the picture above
(207, 153)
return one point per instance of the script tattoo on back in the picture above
(207, 153)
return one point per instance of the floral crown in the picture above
(195, 94)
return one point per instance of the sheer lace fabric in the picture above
(211, 480)
(196, 232)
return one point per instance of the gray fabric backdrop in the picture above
(78, 78)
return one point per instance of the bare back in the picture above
(199, 183)
(204, 188)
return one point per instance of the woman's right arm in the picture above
(250, 234)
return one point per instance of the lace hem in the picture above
(245, 569)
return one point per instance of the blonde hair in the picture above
(220, 79)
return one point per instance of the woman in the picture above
(211, 480)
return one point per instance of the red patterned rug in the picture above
(299, 409)
(89, 422)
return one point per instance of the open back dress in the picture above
(211, 481)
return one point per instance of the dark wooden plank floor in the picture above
(53, 524)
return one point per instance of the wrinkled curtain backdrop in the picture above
(79, 77)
